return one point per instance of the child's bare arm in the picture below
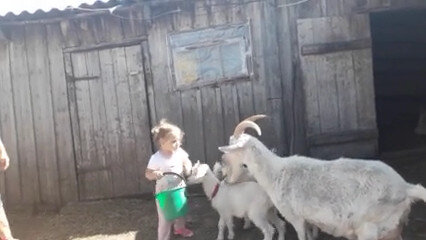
(187, 167)
(151, 174)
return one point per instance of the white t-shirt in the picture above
(173, 163)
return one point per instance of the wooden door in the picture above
(336, 66)
(110, 121)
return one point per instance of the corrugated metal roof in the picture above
(55, 12)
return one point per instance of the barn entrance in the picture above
(399, 62)
(110, 120)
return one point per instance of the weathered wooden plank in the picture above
(111, 26)
(133, 21)
(79, 66)
(87, 31)
(325, 72)
(11, 179)
(292, 83)
(72, 98)
(107, 45)
(220, 118)
(147, 73)
(212, 124)
(88, 182)
(61, 115)
(342, 29)
(286, 53)
(183, 21)
(201, 15)
(245, 99)
(345, 79)
(327, 93)
(112, 116)
(308, 65)
(363, 65)
(193, 124)
(127, 137)
(98, 115)
(69, 33)
(24, 117)
(261, 71)
(229, 101)
(272, 79)
(342, 137)
(93, 184)
(167, 101)
(218, 14)
(40, 87)
(237, 13)
(322, 48)
(365, 149)
(359, 26)
(310, 9)
(140, 113)
(333, 8)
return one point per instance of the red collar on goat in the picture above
(215, 190)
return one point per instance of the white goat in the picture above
(356, 199)
(238, 200)
(221, 170)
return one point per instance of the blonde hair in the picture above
(164, 129)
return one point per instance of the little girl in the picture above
(169, 158)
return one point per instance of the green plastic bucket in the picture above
(173, 203)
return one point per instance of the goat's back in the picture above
(338, 195)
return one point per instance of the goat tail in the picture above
(417, 192)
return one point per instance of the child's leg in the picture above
(180, 228)
(5, 232)
(179, 223)
(164, 226)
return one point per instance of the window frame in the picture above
(228, 34)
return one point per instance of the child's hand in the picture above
(158, 174)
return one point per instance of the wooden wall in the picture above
(35, 120)
(40, 118)
(353, 130)
(35, 113)
(209, 113)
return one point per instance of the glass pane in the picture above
(186, 67)
(233, 60)
(209, 63)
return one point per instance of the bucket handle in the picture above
(173, 173)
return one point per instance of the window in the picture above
(210, 55)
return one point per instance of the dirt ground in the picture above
(136, 219)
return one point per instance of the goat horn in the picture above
(239, 129)
(255, 117)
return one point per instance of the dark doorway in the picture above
(399, 60)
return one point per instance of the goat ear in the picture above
(197, 164)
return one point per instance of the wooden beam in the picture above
(322, 48)
(125, 43)
(342, 137)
